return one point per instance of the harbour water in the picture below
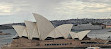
(6, 39)
(103, 34)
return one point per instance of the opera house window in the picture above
(89, 43)
(58, 44)
(70, 43)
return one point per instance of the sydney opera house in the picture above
(44, 30)
(42, 34)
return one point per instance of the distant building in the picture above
(107, 25)
(87, 27)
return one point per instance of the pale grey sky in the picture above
(20, 10)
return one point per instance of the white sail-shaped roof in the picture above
(82, 34)
(73, 35)
(19, 29)
(61, 31)
(79, 35)
(44, 26)
(35, 33)
(65, 29)
(55, 34)
(31, 29)
(25, 33)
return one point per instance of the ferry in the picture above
(93, 48)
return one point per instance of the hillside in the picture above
(60, 22)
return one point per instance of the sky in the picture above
(14, 11)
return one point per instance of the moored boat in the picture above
(93, 48)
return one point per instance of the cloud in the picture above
(97, 1)
(5, 8)
(53, 9)
(75, 9)
(97, 7)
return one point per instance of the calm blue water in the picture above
(103, 34)
(4, 39)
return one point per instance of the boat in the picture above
(93, 48)
(1, 33)
(42, 34)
